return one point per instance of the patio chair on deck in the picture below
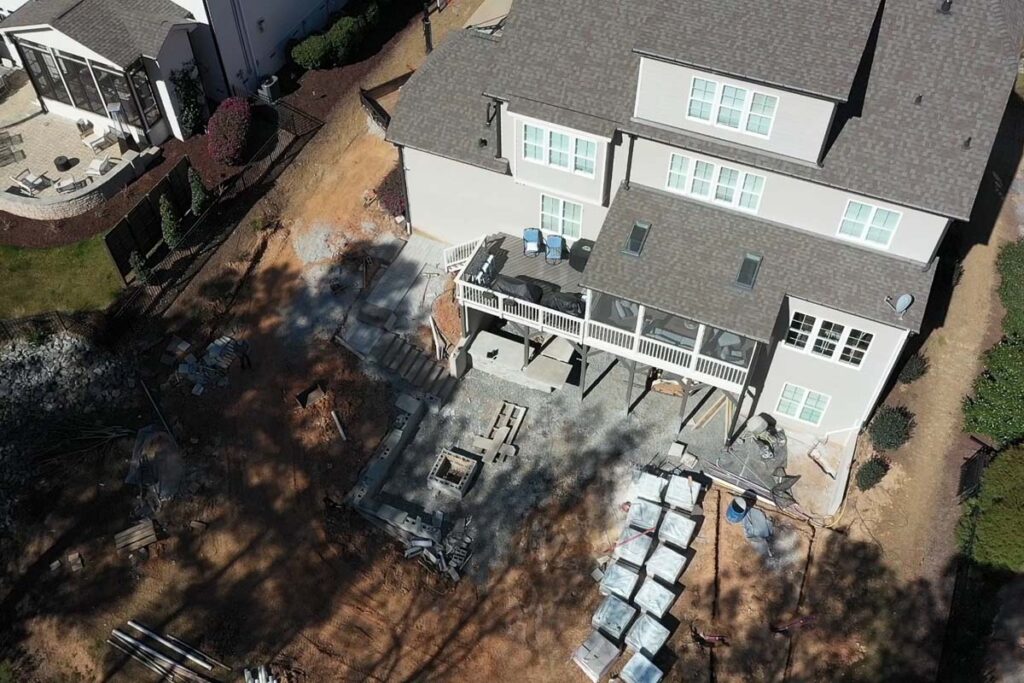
(30, 182)
(533, 242)
(69, 184)
(555, 249)
(98, 167)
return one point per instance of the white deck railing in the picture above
(625, 343)
(456, 258)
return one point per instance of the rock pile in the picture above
(62, 376)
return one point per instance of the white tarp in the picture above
(596, 656)
(619, 580)
(666, 564)
(677, 528)
(651, 487)
(647, 635)
(654, 597)
(643, 514)
(683, 492)
(639, 669)
(633, 546)
(613, 616)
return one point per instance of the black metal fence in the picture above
(203, 238)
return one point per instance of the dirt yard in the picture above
(276, 572)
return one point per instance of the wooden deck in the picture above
(511, 262)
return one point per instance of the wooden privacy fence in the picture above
(140, 229)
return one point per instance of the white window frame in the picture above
(801, 403)
(560, 217)
(689, 177)
(716, 105)
(546, 149)
(812, 336)
(863, 238)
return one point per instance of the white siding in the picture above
(564, 183)
(457, 202)
(800, 126)
(175, 53)
(853, 391)
(798, 203)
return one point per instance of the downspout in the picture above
(497, 128)
(629, 160)
(405, 190)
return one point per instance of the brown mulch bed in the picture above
(16, 231)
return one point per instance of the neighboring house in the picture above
(243, 41)
(764, 181)
(105, 61)
(85, 55)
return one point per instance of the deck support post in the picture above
(584, 359)
(465, 320)
(526, 347)
(629, 385)
(731, 435)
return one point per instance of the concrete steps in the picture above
(413, 367)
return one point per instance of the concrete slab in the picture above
(503, 358)
(411, 283)
(548, 371)
(596, 656)
(558, 348)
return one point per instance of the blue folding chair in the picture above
(555, 248)
(533, 242)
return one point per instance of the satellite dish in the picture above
(903, 303)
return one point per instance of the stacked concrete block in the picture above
(647, 635)
(640, 669)
(596, 656)
(620, 580)
(654, 598)
(666, 564)
(613, 617)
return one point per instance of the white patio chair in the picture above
(98, 141)
(98, 167)
(30, 182)
(69, 184)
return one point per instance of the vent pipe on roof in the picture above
(946, 6)
(967, 143)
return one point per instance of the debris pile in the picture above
(448, 556)
(63, 375)
(212, 368)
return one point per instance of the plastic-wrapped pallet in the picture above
(619, 580)
(651, 487)
(654, 598)
(613, 616)
(683, 492)
(677, 528)
(647, 635)
(639, 669)
(596, 656)
(643, 514)
(633, 546)
(666, 564)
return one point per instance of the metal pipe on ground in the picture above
(175, 667)
(142, 659)
(190, 654)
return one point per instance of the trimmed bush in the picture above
(314, 52)
(228, 132)
(891, 428)
(997, 515)
(200, 195)
(189, 92)
(996, 406)
(914, 369)
(345, 38)
(170, 222)
(1011, 287)
(871, 472)
(139, 267)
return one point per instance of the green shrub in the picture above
(1011, 287)
(6, 671)
(200, 195)
(871, 472)
(312, 53)
(345, 38)
(170, 222)
(139, 267)
(914, 369)
(996, 406)
(189, 93)
(891, 428)
(997, 515)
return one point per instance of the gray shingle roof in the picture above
(120, 30)
(689, 264)
(742, 38)
(442, 109)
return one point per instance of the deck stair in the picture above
(398, 357)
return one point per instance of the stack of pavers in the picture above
(642, 582)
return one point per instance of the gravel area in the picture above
(565, 446)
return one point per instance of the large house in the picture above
(765, 185)
(110, 61)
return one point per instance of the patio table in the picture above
(62, 164)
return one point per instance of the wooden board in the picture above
(136, 537)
